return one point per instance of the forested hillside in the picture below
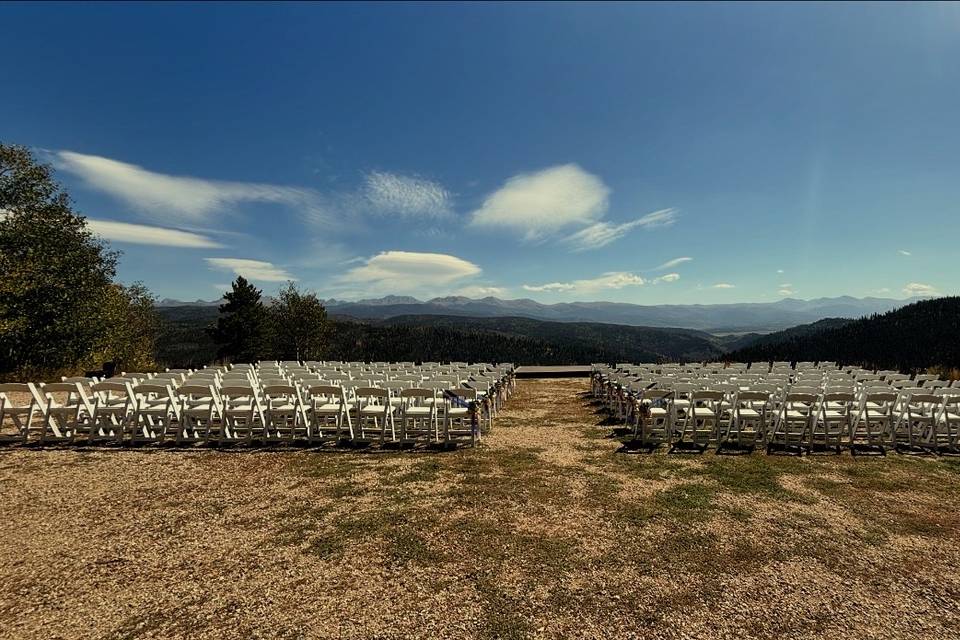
(184, 341)
(920, 335)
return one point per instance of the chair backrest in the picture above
(18, 388)
(838, 396)
(279, 389)
(146, 389)
(195, 391)
(237, 391)
(371, 392)
(326, 391)
(707, 394)
(106, 389)
(417, 393)
(925, 399)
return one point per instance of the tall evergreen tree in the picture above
(241, 331)
(54, 273)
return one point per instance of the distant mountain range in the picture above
(758, 317)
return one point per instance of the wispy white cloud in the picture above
(144, 234)
(403, 271)
(904, 252)
(600, 234)
(184, 198)
(545, 201)
(920, 290)
(786, 290)
(669, 264)
(661, 218)
(883, 290)
(780, 271)
(724, 285)
(251, 269)
(609, 280)
(406, 196)
(667, 277)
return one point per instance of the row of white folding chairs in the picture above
(155, 412)
(833, 418)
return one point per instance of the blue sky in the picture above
(649, 153)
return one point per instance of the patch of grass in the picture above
(753, 475)
(409, 547)
(427, 470)
(298, 523)
(687, 502)
(503, 618)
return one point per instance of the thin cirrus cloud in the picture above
(185, 198)
(786, 289)
(724, 285)
(256, 270)
(904, 252)
(190, 199)
(669, 264)
(600, 234)
(405, 271)
(609, 280)
(667, 277)
(145, 234)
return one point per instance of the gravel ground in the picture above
(545, 531)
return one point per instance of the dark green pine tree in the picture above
(241, 330)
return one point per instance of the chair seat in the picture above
(749, 413)
(198, 409)
(457, 411)
(418, 411)
(331, 408)
(375, 410)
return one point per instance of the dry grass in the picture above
(544, 531)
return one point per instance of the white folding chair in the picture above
(284, 414)
(374, 412)
(66, 412)
(242, 413)
(793, 421)
(113, 408)
(418, 414)
(18, 404)
(329, 412)
(155, 413)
